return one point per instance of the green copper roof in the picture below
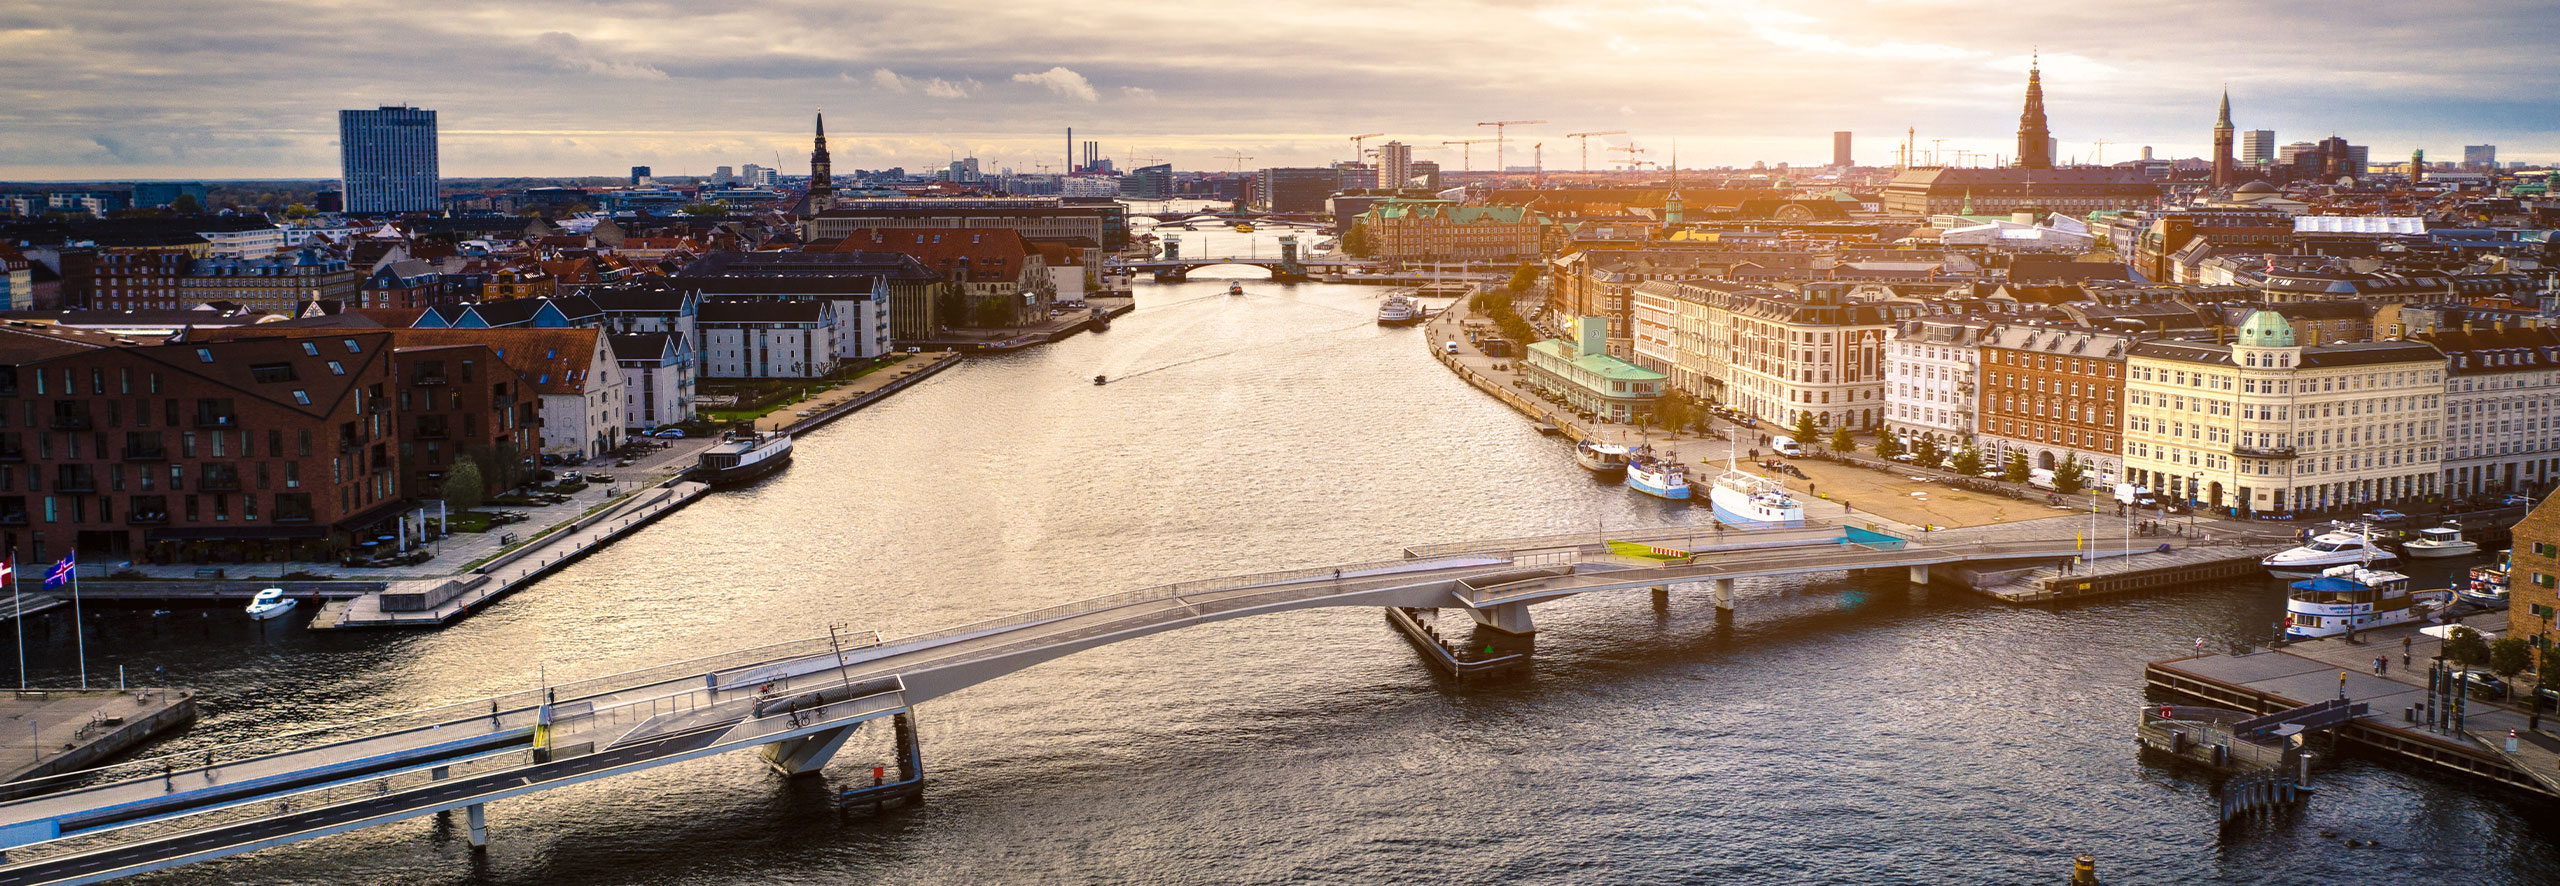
(1601, 365)
(2266, 329)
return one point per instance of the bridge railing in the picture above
(195, 761)
(1701, 532)
(1147, 595)
(251, 810)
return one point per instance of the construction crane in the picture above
(1539, 151)
(2101, 158)
(1498, 136)
(1933, 151)
(1586, 144)
(1360, 144)
(1466, 152)
(1238, 158)
(1631, 151)
(1144, 162)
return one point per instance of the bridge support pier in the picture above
(1920, 574)
(1509, 618)
(477, 814)
(1724, 595)
(808, 753)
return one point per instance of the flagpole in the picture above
(18, 602)
(79, 629)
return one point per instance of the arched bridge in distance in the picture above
(798, 702)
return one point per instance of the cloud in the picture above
(568, 54)
(1139, 93)
(1063, 82)
(891, 81)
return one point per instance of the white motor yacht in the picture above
(2441, 541)
(2338, 547)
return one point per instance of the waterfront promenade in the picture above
(45, 731)
(2266, 680)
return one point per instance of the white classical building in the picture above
(2265, 424)
(1775, 355)
(2502, 408)
(1930, 367)
(767, 339)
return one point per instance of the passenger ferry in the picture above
(1656, 475)
(2359, 597)
(1744, 498)
(1399, 310)
(2441, 541)
(2337, 547)
(743, 458)
(1605, 459)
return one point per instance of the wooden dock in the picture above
(2269, 680)
(2112, 573)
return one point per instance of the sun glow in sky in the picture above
(229, 89)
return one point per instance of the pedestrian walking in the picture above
(2382, 666)
(2404, 651)
(2199, 646)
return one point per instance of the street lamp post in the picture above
(2195, 498)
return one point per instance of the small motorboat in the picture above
(269, 603)
(1604, 459)
(1235, 287)
(1101, 380)
(2441, 541)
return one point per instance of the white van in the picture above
(1785, 446)
(2041, 478)
(1453, 347)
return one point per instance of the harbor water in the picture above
(1833, 730)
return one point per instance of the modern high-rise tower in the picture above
(387, 159)
(2222, 132)
(2258, 147)
(1395, 164)
(1840, 150)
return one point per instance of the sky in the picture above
(141, 89)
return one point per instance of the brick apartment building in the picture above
(236, 451)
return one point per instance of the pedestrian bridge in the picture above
(799, 701)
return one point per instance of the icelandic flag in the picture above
(62, 571)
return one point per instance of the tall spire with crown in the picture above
(2222, 132)
(822, 185)
(1671, 210)
(2035, 142)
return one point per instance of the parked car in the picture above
(2483, 684)
(550, 459)
(571, 477)
(2382, 516)
(669, 434)
(2513, 500)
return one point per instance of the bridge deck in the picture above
(154, 815)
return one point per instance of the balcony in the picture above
(71, 422)
(2264, 452)
(13, 518)
(293, 516)
(424, 379)
(76, 484)
(219, 483)
(146, 518)
(155, 453)
(19, 454)
(216, 420)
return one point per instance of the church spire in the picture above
(2224, 121)
(822, 185)
(2035, 142)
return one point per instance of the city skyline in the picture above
(685, 92)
